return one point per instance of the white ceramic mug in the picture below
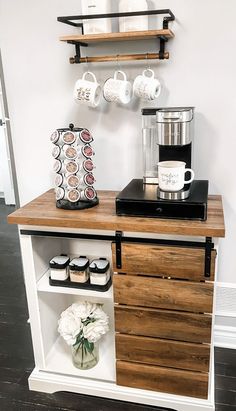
(116, 90)
(147, 87)
(171, 175)
(88, 92)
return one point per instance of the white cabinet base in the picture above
(50, 383)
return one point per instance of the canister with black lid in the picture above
(79, 269)
(99, 271)
(59, 267)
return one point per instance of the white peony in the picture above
(94, 331)
(84, 318)
(83, 310)
(69, 326)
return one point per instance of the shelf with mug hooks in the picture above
(81, 40)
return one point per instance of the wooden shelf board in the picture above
(128, 36)
(42, 212)
(44, 286)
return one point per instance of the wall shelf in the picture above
(81, 40)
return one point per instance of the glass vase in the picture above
(83, 358)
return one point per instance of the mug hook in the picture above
(117, 62)
(87, 66)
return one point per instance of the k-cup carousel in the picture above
(73, 165)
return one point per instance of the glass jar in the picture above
(84, 358)
(96, 7)
(133, 23)
(79, 269)
(99, 271)
(59, 268)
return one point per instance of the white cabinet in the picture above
(54, 370)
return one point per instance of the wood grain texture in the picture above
(121, 57)
(172, 325)
(43, 212)
(108, 37)
(165, 353)
(162, 379)
(161, 293)
(176, 262)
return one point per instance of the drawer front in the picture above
(165, 353)
(162, 293)
(176, 262)
(148, 377)
(163, 324)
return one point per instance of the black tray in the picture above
(85, 286)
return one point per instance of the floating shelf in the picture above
(82, 40)
(108, 37)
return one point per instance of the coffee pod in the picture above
(60, 193)
(72, 181)
(71, 167)
(69, 152)
(55, 137)
(85, 136)
(88, 194)
(87, 180)
(58, 180)
(57, 166)
(87, 166)
(86, 151)
(56, 152)
(73, 195)
(68, 137)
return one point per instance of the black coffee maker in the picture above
(167, 136)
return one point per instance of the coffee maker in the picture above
(168, 135)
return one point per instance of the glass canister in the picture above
(133, 23)
(99, 271)
(59, 268)
(96, 25)
(79, 269)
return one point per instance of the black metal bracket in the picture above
(118, 239)
(208, 248)
(71, 21)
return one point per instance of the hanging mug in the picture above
(88, 92)
(147, 87)
(116, 90)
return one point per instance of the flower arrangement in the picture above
(82, 325)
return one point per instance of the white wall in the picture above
(200, 72)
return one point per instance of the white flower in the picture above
(83, 310)
(73, 319)
(94, 331)
(69, 326)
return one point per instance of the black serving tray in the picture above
(84, 286)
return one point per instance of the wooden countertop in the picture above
(43, 212)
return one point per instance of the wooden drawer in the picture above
(148, 377)
(176, 262)
(172, 325)
(166, 353)
(162, 293)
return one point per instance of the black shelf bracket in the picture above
(77, 21)
(118, 239)
(208, 248)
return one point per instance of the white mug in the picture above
(171, 175)
(88, 92)
(116, 90)
(147, 87)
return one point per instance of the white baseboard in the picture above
(225, 336)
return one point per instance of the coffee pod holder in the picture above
(80, 196)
